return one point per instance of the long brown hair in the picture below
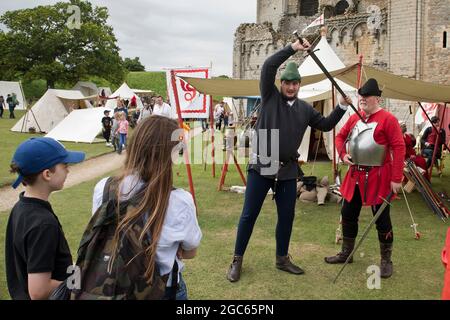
(148, 157)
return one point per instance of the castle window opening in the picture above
(444, 40)
(309, 7)
(341, 6)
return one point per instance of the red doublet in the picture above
(386, 133)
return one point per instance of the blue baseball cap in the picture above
(37, 154)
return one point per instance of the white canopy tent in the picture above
(51, 109)
(69, 129)
(9, 87)
(86, 88)
(322, 91)
(124, 92)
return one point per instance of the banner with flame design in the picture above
(193, 104)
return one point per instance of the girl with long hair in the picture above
(169, 214)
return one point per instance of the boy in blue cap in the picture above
(37, 253)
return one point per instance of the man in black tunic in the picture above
(280, 127)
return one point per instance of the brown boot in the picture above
(285, 264)
(386, 266)
(347, 247)
(234, 272)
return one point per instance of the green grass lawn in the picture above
(155, 81)
(10, 140)
(418, 271)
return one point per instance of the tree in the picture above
(133, 64)
(38, 44)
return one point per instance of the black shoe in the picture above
(285, 264)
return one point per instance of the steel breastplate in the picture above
(362, 146)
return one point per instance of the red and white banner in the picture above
(318, 22)
(430, 108)
(192, 103)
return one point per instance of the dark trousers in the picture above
(255, 193)
(107, 134)
(428, 154)
(11, 113)
(219, 124)
(350, 215)
(205, 124)
(1, 111)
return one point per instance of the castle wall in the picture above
(436, 64)
(408, 40)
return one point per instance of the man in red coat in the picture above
(375, 153)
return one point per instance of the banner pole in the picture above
(182, 136)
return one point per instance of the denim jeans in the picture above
(181, 292)
(122, 141)
(255, 194)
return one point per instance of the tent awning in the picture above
(243, 88)
(393, 86)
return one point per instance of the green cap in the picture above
(291, 72)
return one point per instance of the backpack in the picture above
(126, 281)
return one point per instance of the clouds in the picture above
(173, 33)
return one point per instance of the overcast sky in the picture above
(165, 33)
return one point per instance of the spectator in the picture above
(161, 108)
(122, 131)
(106, 122)
(428, 141)
(168, 212)
(218, 115)
(145, 112)
(37, 253)
(12, 102)
(114, 131)
(2, 104)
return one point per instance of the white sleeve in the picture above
(193, 234)
(98, 195)
(182, 223)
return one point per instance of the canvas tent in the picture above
(87, 88)
(124, 92)
(9, 87)
(69, 128)
(50, 109)
(319, 94)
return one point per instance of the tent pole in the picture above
(438, 133)
(211, 119)
(334, 136)
(25, 104)
(182, 135)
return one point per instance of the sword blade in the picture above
(366, 231)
